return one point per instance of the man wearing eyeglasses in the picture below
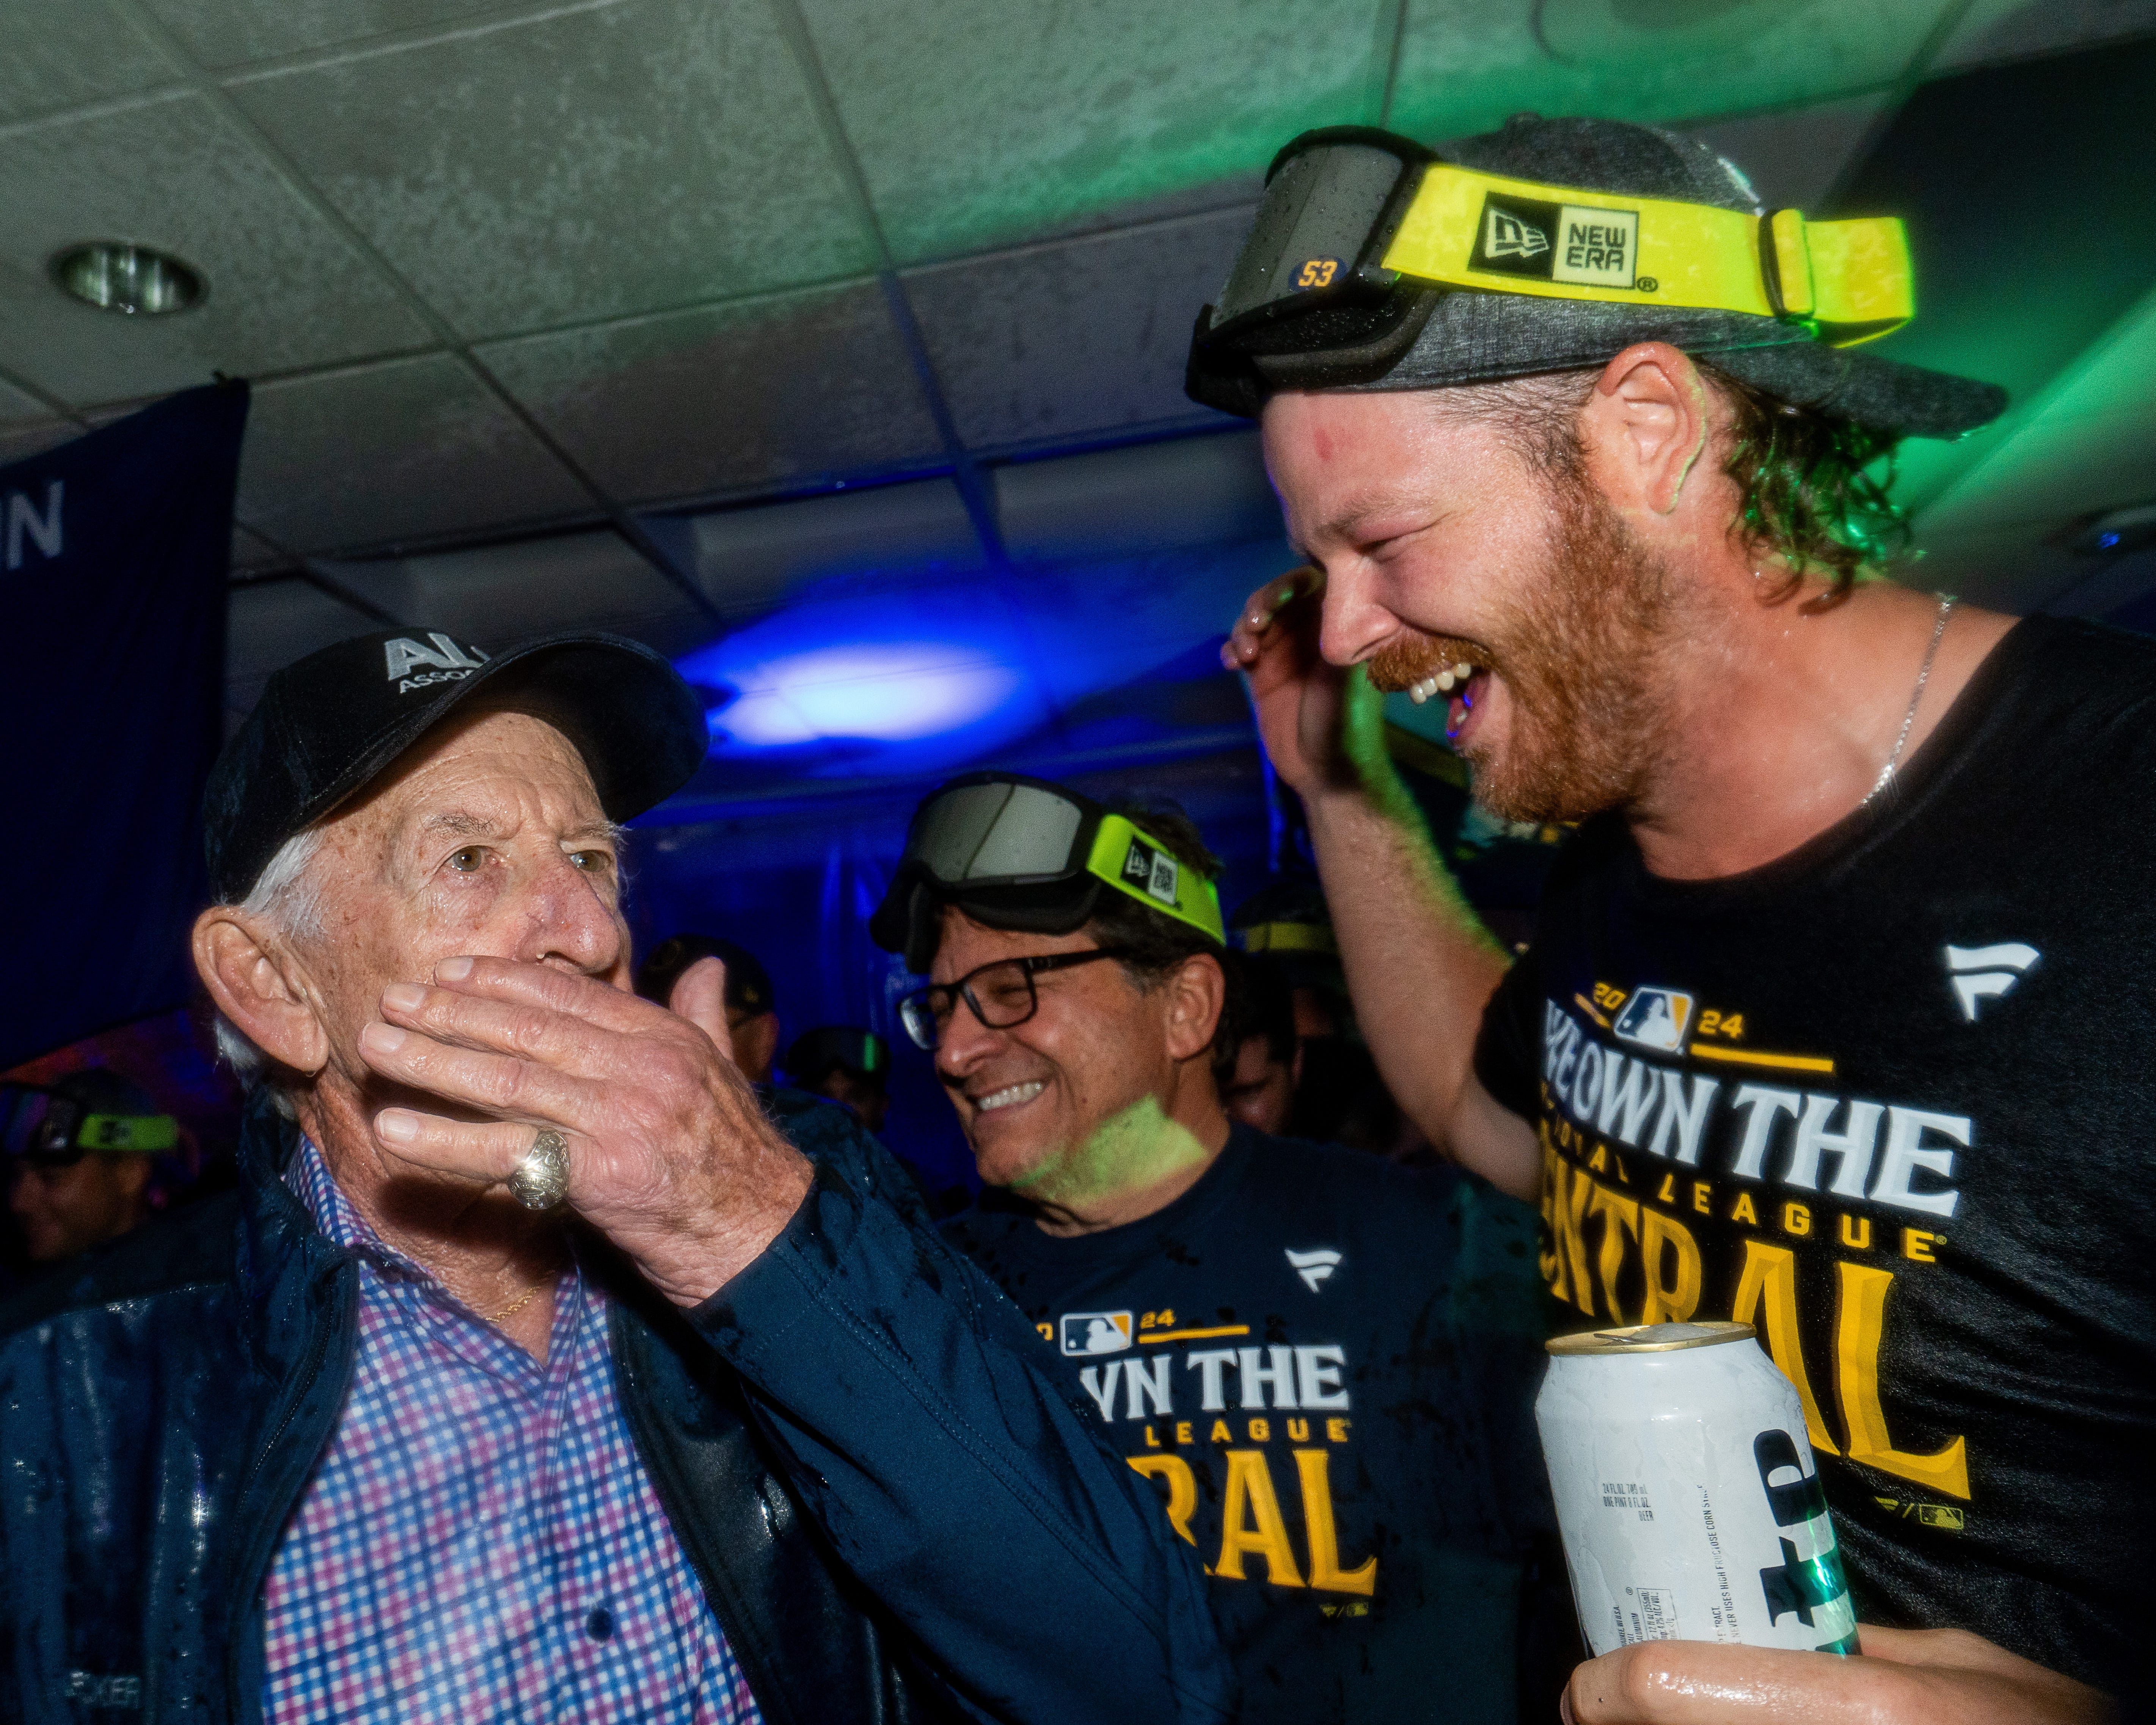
(1321, 1359)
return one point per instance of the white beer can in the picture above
(1687, 1494)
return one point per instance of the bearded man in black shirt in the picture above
(1323, 1360)
(1839, 1017)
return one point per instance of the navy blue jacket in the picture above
(893, 1515)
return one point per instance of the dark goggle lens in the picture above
(1327, 202)
(37, 1124)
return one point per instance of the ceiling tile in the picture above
(269, 624)
(1080, 336)
(2014, 29)
(230, 33)
(747, 560)
(1796, 157)
(58, 57)
(251, 552)
(18, 442)
(727, 398)
(594, 164)
(285, 290)
(510, 593)
(1466, 64)
(1078, 107)
(394, 452)
(1185, 492)
(18, 407)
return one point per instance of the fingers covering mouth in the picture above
(1010, 1097)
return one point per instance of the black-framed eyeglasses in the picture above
(1001, 993)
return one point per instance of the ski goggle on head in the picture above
(1022, 854)
(42, 1127)
(1358, 226)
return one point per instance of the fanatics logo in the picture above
(1090, 1332)
(1315, 1267)
(1984, 973)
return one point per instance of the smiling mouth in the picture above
(1010, 1097)
(1459, 674)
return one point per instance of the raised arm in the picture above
(1420, 966)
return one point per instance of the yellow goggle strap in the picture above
(1289, 938)
(1850, 279)
(1133, 862)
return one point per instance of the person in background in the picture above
(1323, 1361)
(846, 1063)
(752, 1010)
(1263, 1054)
(1339, 1096)
(80, 1152)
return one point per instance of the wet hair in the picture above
(1806, 490)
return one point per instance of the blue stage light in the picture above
(896, 691)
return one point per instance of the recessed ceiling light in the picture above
(115, 276)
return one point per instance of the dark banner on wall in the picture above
(114, 551)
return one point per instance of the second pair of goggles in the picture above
(40, 1124)
(1352, 216)
(1023, 853)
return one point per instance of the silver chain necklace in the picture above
(1916, 695)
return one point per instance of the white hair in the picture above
(287, 896)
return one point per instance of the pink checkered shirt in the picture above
(480, 1541)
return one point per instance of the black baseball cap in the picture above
(846, 1048)
(748, 983)
(329, 725)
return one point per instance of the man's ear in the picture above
(250, 987)
(1197, 993)
(1646, 425)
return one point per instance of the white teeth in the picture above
(1009, 1097)
(1416, 695)
(1463, 670)
(1443, 680)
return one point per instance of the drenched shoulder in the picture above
(189, 1247)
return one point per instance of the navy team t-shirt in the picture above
(1326, 1362)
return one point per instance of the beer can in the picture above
(1686, 1494)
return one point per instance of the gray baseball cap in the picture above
(1315, 299)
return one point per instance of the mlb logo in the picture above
(1656, 1019)
(1085, 1333)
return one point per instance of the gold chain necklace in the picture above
(524, 1299)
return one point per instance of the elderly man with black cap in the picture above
(1840, 1011)
(535, 1371)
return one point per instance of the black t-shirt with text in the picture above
(1888, 1100)
(1326, 1362)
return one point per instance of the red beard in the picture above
(1578, 657)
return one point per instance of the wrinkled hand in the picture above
(1300, 699)
(670, 1154)
(1905, 1677)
